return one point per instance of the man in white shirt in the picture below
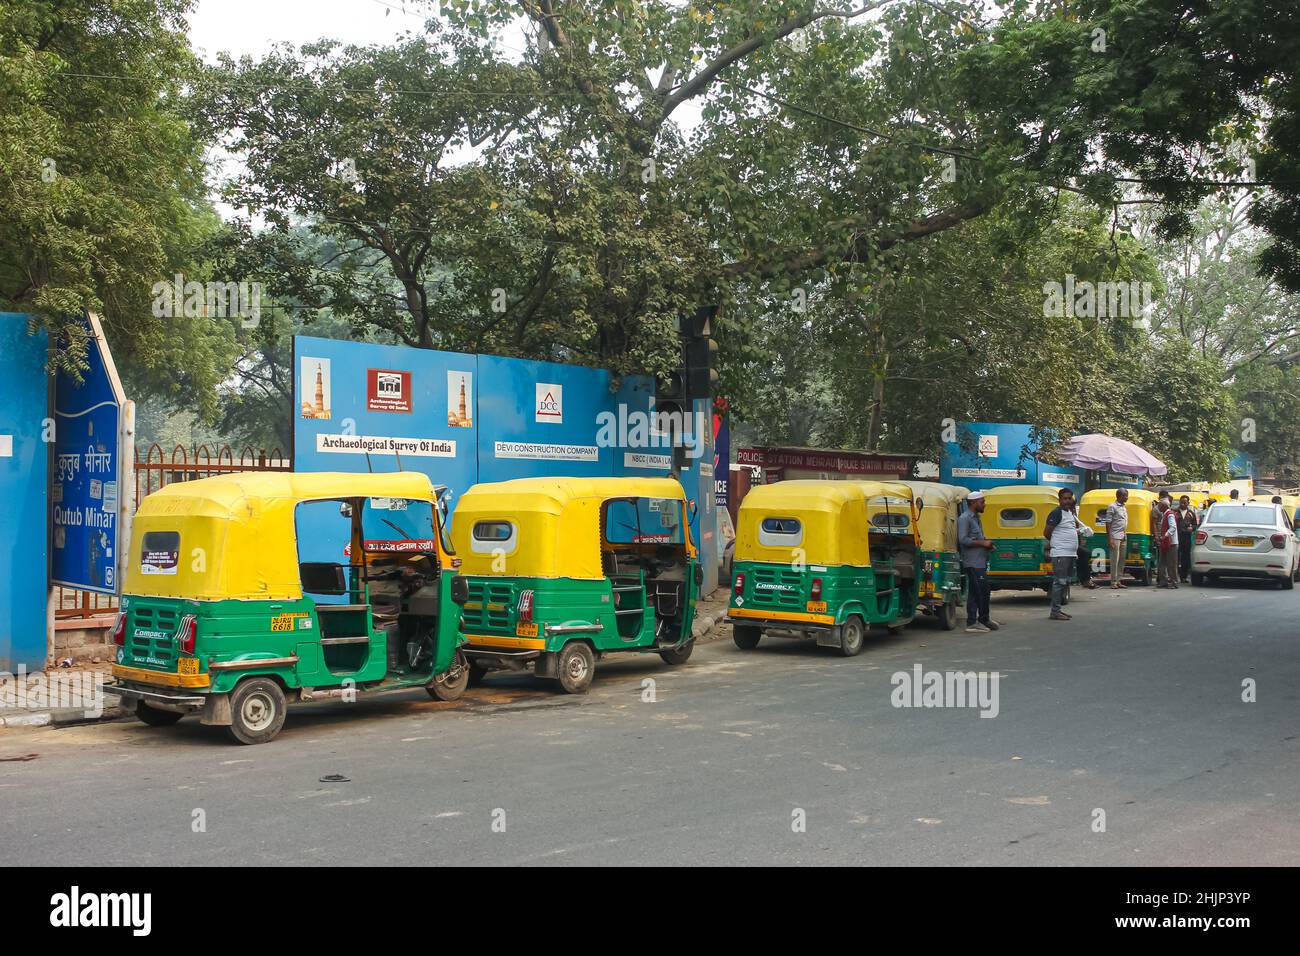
(1063, 533)
(1116, 520)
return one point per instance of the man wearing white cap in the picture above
(975, 550)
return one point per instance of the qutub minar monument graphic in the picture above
(459, 417)
(320, 407)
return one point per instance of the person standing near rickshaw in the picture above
(975, 548)
(1167, 541)
(1116, 519)
(1063, 532)
(1188, 521)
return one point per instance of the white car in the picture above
(1247, 539)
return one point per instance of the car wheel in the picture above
(745, 636)
(1288, 583)
(576, 667)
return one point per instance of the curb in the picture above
(60, 717)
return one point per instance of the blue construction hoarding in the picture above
(26, 430)
(463, 419)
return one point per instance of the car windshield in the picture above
(1243, 514)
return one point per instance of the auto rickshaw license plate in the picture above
(187, 665)
(816, 605)
(1239, 542)
(526, 630)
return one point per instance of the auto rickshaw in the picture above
(557, 572)
(1140, 555)
(810, 562)
(943, 586)
(247, 591)
(1014, 518)
(1290, 504)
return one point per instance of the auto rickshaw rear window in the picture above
(892, 520)
(780, 532)
(160, 552)
(488, 537)
(1016, 517)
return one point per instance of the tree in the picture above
(101, 183)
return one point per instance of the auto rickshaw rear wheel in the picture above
(477, 672)
(451, 684)
(948, 616)
(746, 636)
(853, 635)
(678, 655)
(576, 667)
(155, 717)
(257, 709)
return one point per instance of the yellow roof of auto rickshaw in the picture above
(832, 514)
(237, 533)
(803, 494)
(936, 492)
(553, 494)
(1026, 494)
(235, 492)
(556, 520)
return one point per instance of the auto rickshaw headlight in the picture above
(460, 589)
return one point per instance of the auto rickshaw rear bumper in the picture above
(178, 700)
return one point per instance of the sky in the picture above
(253, 26)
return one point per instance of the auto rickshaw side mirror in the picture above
(460, 589)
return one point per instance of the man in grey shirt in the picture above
(975, 550)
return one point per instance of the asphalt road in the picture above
(1134, 708)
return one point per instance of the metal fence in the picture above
(156, 469)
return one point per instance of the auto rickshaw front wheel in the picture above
(680, 654)
(155, 717)
(257, 708)
(576, 667)
(451, 684)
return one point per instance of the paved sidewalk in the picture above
(24, 706)
(58, 695)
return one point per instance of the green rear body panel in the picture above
(1018, 563)
(781, 589)
(941, 579)
(245, 631)
(1139, 554)
(492, 610)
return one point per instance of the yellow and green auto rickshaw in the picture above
(1141, 555)
(943, 586)
(810, 562)
(1290, 504)
(558, 572)
(1014, 519)
(247, 591)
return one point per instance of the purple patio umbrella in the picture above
(1098, 452)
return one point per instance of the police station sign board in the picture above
(86, 483)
